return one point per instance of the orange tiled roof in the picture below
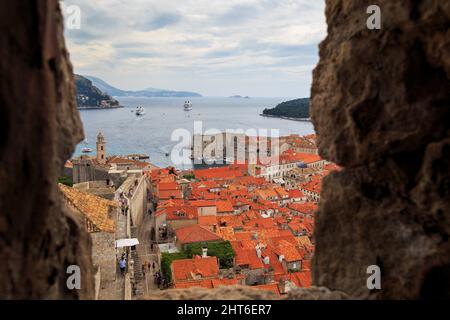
(182, 212)
(194, 269)
(195, 233)
(226, 233)
(206, 283)
(224, 206)
(207, 220)
(306, 265)
(295, 193)
(288, 250)
(227, 172)
(95, 209)
(202, 203)
(306, 208)
(170, 194)
(202, 283)
(168, 186)
(245, 254)
(301, 279)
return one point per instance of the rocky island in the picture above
(91, 97)
(297, 109)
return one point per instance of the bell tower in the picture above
(101, 152)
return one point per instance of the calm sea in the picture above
(126, 133)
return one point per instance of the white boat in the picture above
(86, 149)
(187, 106)
(140, 111)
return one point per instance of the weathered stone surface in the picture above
(221, 293)
(316, 293)
(245, 293)
(381, 107)
(40, 127)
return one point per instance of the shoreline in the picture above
(98, 108)
(285, 118)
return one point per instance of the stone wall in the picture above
(39, 128)
(138, 201)
(84, 170)
(104, 256)
(381, 108)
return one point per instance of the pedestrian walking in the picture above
(154, 266)
(122, 264)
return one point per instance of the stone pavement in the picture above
(112, 286)
(121, 233)
(144, 281)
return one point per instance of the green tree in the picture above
(222, 250)
(66, 181)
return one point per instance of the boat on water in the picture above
(140, 111)
(86, 149)
(187, 106)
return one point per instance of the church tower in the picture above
(101, 152)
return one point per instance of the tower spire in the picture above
(101, 150)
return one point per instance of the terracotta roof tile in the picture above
(194, 269)
(195, 233)
(95, 209)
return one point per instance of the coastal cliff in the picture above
(91, 97)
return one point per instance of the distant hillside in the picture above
(89, 96)
(149, 92)
(298, 108)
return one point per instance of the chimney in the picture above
(204, 252)
(282, 286)
(258, 252)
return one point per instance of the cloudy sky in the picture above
(215, 47)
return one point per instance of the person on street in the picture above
(122, 265)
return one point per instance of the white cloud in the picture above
(215, 47)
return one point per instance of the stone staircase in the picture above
(139, 277)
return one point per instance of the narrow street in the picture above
(115, 289)
(121, 233)
(146, 256)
